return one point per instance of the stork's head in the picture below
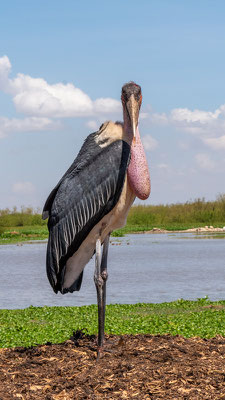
(131, 99)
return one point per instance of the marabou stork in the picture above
(93, 199)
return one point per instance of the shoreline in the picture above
(155, 230)
(200, 229)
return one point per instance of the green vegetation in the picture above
(27, 224)
(23, 234)
(178, 216)
(18, 226)
(27, 216)
(38, 325)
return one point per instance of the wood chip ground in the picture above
(133, 367)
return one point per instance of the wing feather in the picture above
(88, 191)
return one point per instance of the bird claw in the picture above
(99, 352)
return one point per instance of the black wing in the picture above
(89, 190)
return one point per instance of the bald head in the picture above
(131, 88)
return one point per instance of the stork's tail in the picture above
(56, 274)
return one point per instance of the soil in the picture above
(132, 367)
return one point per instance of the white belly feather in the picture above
(115, 219)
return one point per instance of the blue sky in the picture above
(62, 65)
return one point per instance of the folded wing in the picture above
(89, 190)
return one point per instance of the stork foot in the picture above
(112, 345)
(99, 352)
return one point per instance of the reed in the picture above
(179, 216)
(26, 216)
(197, 212)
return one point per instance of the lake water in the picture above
(142, 268)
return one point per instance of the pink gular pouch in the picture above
(138, 172)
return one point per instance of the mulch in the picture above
(132, 367)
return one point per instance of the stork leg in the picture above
(100, 278)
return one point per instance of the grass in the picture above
(27, 224)
(39, 325)
(16, 234)
(179, 216)
(169, 227)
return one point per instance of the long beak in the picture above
(133, 111)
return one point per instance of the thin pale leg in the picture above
(100, 278)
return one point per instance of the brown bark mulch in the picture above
(137, 367)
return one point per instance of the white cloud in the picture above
(204, 161)
(106, 105)
(149, 142)
(208, 126)
(29, 124)
(57, 100)
(36, 97)
(203, 117)
(44, 104)
(216, 143)
(23, 188)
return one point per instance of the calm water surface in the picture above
(142, 268)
